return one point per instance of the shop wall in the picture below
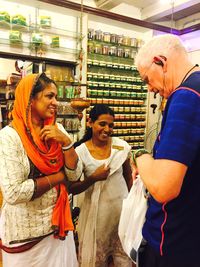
(192, 44)
(7, 66)
(195, 56)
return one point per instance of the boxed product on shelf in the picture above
(15, 37)
(55, 42)
(65, 108)
(60, 91)
(37, 38)
(72, 124)
(19, 20)
(45, 21)
(4, 16)
(69, 91)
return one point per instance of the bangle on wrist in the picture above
(65, 148)
(139, 153)
(50, 185)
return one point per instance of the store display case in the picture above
(113, 79)
(35, 30)
(37, 41)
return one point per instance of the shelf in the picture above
(119, 102)
(71, 83)
(95, 58)
(133, 132)
(132, 88)
(111, 64)
(112, 44)
(69, 41)
(53, 31)
(38, 28)
(130, 124)
(128, 117)
(111, 94)
(36, 48)
(120, 109)
(113, 76)
(116, 82)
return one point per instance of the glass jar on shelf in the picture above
(112, 51)
(120, 39)
(113, 38)
(98, 35)
(90, 47)
(105, 49)
(126, 40)
(132, 53)
(90, 34)
(120, 52)
(97, 48)
(106, 37)
(134, 42)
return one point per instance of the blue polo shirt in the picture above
(173, 228)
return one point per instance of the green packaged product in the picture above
(55, 42)
(36, 38)
(19, 20)
(45, 21)
(15, 37)
(4, 16)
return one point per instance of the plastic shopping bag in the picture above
(132, 217)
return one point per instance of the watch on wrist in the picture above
(139, 153)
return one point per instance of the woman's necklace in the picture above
(103, 151)
(196, 65)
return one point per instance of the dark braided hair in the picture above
(95, 112)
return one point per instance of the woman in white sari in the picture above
(106, 181)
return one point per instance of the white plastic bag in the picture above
(132, 217)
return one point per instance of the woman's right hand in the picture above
(100, 174)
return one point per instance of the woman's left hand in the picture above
(51, 132)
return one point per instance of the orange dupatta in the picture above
(48, 160)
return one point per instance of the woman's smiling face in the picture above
(102, 128)
(44, 104)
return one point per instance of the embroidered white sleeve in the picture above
(14, 169)
(74, 175)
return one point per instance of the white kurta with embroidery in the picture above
(23, 219)
(101, 207)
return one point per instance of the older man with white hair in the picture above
(172, 175)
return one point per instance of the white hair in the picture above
(164, 45)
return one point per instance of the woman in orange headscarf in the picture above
(35, 225)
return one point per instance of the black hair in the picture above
(41, 83)
(95, 112)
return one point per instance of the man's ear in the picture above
(161, 61)
(158, 61)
